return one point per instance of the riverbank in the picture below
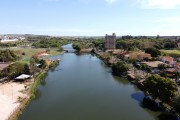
(10, 93)
(137, 77)
(15, 96)
(69, 93)
(31, 92)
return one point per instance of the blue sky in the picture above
(90, 17)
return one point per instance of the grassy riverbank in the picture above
(31, 95)
(27, 53)
(32, 90)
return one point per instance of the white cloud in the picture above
(159, 4)
(111, 1)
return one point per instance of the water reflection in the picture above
(121, 80)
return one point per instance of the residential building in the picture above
(139, 56)
(110, 41)
(167, 59)
(143, 56)
(178, 44)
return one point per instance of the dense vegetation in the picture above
(143, 42)
(84, 44)
(8, 56)
(99, 44)
(50, 43)
(14, 70)
(120, 68)
(14, 44)
(160, 87)
(139, 42)
(153, 51)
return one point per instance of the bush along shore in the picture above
(33, 89)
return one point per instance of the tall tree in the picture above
(153, 51)
(160, 87)
(120, 68)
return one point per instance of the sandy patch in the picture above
(9, 93)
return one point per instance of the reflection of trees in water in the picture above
(139, 97)
(168, 116)
(37, 94)
(121, 80)
(43, 82)
(43, 79)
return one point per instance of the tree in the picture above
(162, 67)
(176, 74)
(32, 67)
(43, 63)
(153, 51)
(157, 37)
(26, 69)
(176, 103)
(160, 87)
(7, 56)
(120, 68)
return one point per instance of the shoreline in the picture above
(31, 94)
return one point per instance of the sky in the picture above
(90, 17)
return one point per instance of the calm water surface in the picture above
(83, 88)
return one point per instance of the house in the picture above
(177, 65)
(143, 56)
(167, 59)
(178, 44)
(139, 56)
(153, 64)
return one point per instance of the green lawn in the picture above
(171, 52)
(29, 52)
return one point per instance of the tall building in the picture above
(110, 41)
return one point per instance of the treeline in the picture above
(139, 42)
(50, 43)
(99, 43)
(14, 44)
(8, 56)
(129, 43)
(83, 44)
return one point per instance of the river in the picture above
(83, 88)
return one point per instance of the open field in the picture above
(171, 52)
(29, 52)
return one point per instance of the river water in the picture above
(83, 88)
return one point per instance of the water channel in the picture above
(83, 88)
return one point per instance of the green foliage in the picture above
(77, 46)
(32, 67)
(176, 103)
(145, 67)
(153, 51)
(15, 70)
(52, 43)
(43, 63)
(38, 79)
(99, 44)
(7, 56)
(53, 65)
(162, 66)
(160, 87)
(82, 45)
(120, 68)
